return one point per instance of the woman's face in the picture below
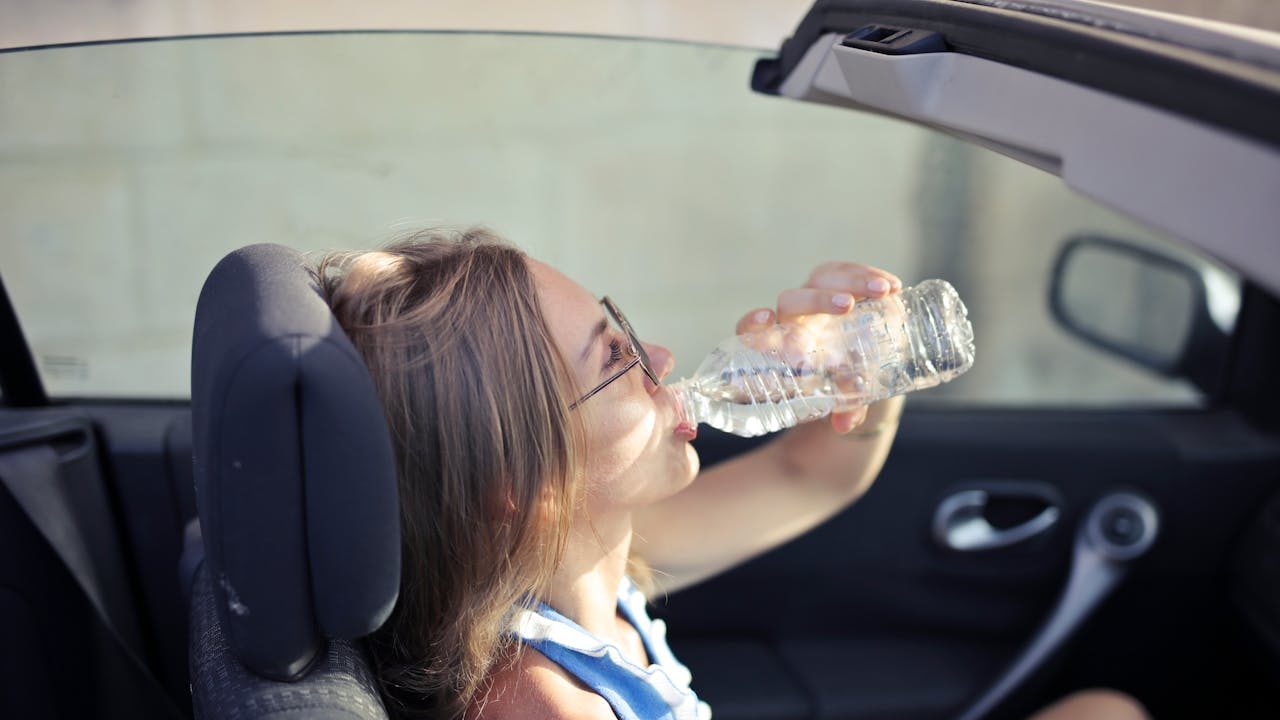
(635, 456)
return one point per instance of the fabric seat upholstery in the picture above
(296, 493)
(338, 686)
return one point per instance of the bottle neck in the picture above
(691, 403)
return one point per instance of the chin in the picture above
(692, 464)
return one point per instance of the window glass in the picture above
(646, 170)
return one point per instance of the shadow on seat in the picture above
(296, 491)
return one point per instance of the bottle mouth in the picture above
(677, 399)
(686, 428)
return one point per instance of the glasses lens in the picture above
(637, 349)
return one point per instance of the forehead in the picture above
(571, 310)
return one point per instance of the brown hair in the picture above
(474, 390)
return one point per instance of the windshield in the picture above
(644, 169)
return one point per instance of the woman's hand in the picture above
(832, 289)
(760, 499)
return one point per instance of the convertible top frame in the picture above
(1194, 152)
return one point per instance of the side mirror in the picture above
(1141, 305)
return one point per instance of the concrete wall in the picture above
(643, 169)
(753, 23)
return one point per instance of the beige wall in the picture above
(753, 23)
(1251, 13)
(756, 23)
(131, 158)
(645, 170)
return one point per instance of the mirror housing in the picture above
(1144, 306)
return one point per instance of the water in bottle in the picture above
(765, 381)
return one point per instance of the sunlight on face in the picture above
(633, 457)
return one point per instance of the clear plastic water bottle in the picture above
(765, 381)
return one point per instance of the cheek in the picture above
(619, 440)
(621, 432)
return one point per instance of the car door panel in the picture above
(869, 606)
(148, 461)
(75, 644)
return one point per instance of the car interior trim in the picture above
(1081, 130)
(1229, 92)
(20, 384)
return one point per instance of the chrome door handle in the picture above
(959, 524)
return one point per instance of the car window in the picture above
(644, 169)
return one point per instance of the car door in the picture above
(647, 170)
(896, 608)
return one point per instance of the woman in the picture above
(543, 468)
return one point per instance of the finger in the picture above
(811, 301)
(850, 381)
(861, 280)
(864, 280)
(851, 267)
(757, 319)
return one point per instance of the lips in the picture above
(685, 430)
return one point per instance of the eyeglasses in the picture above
(634, 349)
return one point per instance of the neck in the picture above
(585, 586)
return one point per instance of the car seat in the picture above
(296, 555)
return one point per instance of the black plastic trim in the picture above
(890, 40)
(1239, 96)
(19, 381)
(368, 31)
(1253, 385)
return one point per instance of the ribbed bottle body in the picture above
(795, 372)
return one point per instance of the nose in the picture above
(662, 360)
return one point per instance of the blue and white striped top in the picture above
(658, 692)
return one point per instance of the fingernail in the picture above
(842, 300)
(761, 316)
(878, 285)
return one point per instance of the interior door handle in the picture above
(960, 524)
(1118, 530)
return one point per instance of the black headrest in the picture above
(294, 472)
